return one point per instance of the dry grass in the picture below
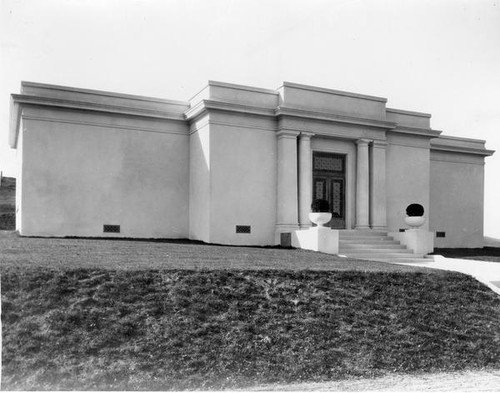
(211, 329)
(8, 204)
(20, 252)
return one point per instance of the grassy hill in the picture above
(124, 315)
(8, 204)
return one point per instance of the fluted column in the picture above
(378, 202)
(362, 185)
(286, 209)
(305, 179)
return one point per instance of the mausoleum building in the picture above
(237, 165)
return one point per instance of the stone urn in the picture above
(415, 215)
(320, 212)
(414, 222)
(320, 218)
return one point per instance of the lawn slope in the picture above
(8, 204)
(94, 329)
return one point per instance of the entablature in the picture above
(460, 145)
(424, 132)
(69, 98)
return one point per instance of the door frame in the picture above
(332, 176)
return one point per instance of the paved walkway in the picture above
(466, 381)
(486, 272)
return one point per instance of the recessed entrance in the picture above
(329, 184)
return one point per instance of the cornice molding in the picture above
(283, 111)
(333, 117)
(204, 105)
(463, 150)
(400, 129)
(14, 123)
(199, 125)
(103, 93)
(333, 92)
(243, 87)
(410, 113)
(23, 99)
(458, 138)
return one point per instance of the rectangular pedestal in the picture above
(419, 241)
(317, 239)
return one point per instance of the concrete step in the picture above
(376, 246)
(363, 239)
(356, 246)
(355, 251)
(343, 235)
(403, 260)
(368, 242)
(381, 255)
(354, 232)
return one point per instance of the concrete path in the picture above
(465, 381)
(486, 272)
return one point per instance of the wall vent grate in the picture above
(111, 228)
(440, 234)
(286, 239)
(243, 229)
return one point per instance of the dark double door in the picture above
(329, 184)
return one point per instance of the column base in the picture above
(362, 227)
(379, 228)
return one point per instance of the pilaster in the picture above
(287, 209)
(362, 185)
(378, 202)
(305, 179)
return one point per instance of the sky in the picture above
(440, 57)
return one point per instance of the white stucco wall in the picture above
(407, 177)
(457, 194)
(82, 170)
(243, 179)
(199, 181)
(19, 179)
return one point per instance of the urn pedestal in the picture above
(318, 238)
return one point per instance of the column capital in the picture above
(379, 144)
(306, 134)
(361, 142)
(287, 134)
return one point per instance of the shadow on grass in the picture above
(468, 252)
